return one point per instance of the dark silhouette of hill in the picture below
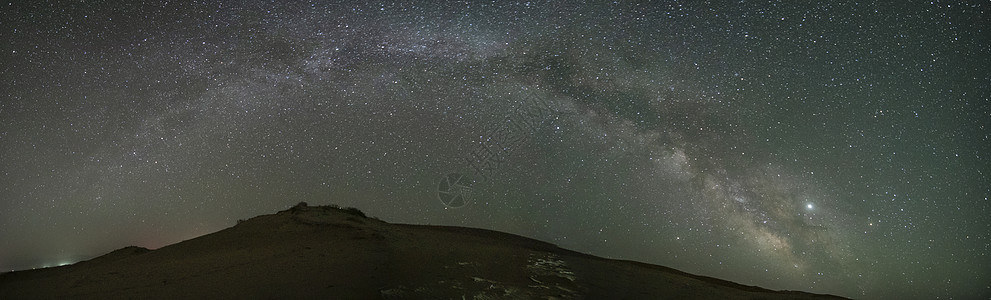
(332, 253)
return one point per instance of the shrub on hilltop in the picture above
(299, 207)
(354, 211)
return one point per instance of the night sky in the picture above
(817, 146)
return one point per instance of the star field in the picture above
(825, 147)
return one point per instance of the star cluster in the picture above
(824, 147)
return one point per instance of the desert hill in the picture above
(332, 253)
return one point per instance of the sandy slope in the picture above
(326, 252)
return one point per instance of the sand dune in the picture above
(331, 253)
